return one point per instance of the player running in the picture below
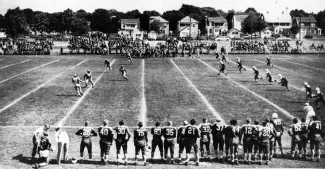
(105, 141)
(264, 134)
(223, 50)
(269, 76)
(123, 72)
(319, 97)
(308, 91)
(222, 68)
(223, 58)
(129, 57)
(294, 132)
(205, 131)
(76, 81)
(88, 78)
(108, 65)
(122, 138)
(256, 73)
(278, 126)
(157, 141)
(191, 135)
(246, 133)
(240, 65)
(140, 143)
(316, 135)
(180, 140)
(218, 139)
(86, 133)
(268, 61)
(169, 133)
(284, 82)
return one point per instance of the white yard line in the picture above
(143, 108)
(255, 94)
(14, 64)
(34, 90)
(28, 71)
(74, 107)
(203, 98)
(1, 60)
(304, 65)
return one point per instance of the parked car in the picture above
(283, 38)
(222, 38)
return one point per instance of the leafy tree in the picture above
(253, 23)
(80, 26)
(2, 22)
(133, 14)
(320, 18)
(295, 29)
(100, 20)
(298, 13)
(82, 14)
(173, 17)
(41, 22)
(229, 18)
(155, 25)
(29, 13)
(250, 10)
(56, 22)
(16, 23)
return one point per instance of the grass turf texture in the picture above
(168, 97)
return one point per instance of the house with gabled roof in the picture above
(164, 30)
(188, 27)
(308, 25)
(131, 28)
(279, 20)
(237, 21)
(216, 26)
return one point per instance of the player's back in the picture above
(315, 127)
(205, 128)
(156, 133)
(247, 131)
(218, 130)
(278, 125)
(296, 128)
(191, 134)
(169, 132)
(265, 134)
(121, 132)
(76, 80)
(304, 129)
(140, 134)
(105, 133)
(256, 71)
(181, 133)
(86, 133)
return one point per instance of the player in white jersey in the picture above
(76, 81)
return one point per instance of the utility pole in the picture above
(190, 26)
(300, 29)
(309, 25)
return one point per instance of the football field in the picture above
(36, 90)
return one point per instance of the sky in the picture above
(161, 5)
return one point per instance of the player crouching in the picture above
(256, 73)
(88, 78)
(76, 81)
(108, 65)
(269, 76)
(222, 68)
(44, 151)
(284, 82)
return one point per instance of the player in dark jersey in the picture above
(246, 134)
(223, 58)
(108, 65)
(217, 55)
(278, 126)
(121, 139)
(268, 61)
(264, 134)
(223, 50)
(222, 68)
(316, 135)
(129, 57)
(157, 141)
(218, 139)
(105, 142)
(240, 65)
(308, 91)
(294, 132)
(205, 131)
(234, 141)
(191, 136)
(255, 139)
(140, 142)
(256, 73)
(76, 81)
(269, 77)
(284, 81)
(180, 140)
(169, 133)
(88, 78)
(228, 139)
(319, 97)
(86, 133)
(304, 136)
(123, 72)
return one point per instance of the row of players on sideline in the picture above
(256, 140)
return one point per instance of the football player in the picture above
(319, 97)
(105, 141)
(278, 126)
(218, 139)
(271, 125)
(304, 136)
(222, 68)
(223, 58)
(76, 81)
(129, 57)
(37, 138)
(269, 76)
(122, 138)
(169, 133)
(234, 141)
(86, 133)
(123, 72)
(44, 151)
(255, 139)
(223, 50)
(88, 78)
(191, 136)
(268, 61)
(316, 137)
(180, 139)
(108, 65)
(256, 73)
(284, 81)
(205, 131)
(228, 139)
(308, 91)
(294, 132)
(240, 65)
(264, 135)
(246, 134)
(157, 141)
(140, 142)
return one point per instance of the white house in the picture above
(266, 33)
(216, 26)
(233, 33)
(237, 21)
(131, 28)
(164, 30)
(280, 20)
(188, 27)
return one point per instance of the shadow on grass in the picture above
(22, 159)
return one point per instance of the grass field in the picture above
(37, 89)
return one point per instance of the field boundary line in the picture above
(14, 64)
(143, 108)
(40, 86)
(252, 92)
(203, 98)
(323, 70)
(78, 102)
(29, 71)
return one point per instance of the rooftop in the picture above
(159, 18)
(305, 19)
(240, 18)
(219, 19)
(130, 20)
(187, 19)
(277, 16)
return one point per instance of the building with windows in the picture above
(308, 26)
(278, 21)
(188, 27)
(216, 26)
(131, 28)
(164, 29)
(237, 21)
